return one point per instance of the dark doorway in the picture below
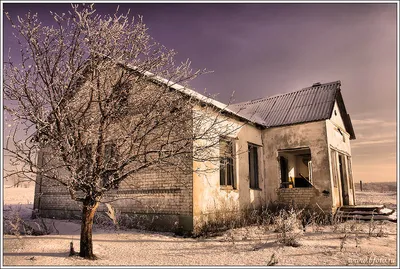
(343, 180)
(284, 171)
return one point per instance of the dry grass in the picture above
(288, 226)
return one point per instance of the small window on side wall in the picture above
(253, 166)
(226, 169)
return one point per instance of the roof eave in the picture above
(345, 116)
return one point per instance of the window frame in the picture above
(254, 169)
(227, 175)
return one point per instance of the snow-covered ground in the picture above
(347, 243)
(377, 198)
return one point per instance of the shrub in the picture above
(265, 217)
(14, 224)
(288, 226)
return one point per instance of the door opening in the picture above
(343, 180)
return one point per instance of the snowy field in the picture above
(349, 243)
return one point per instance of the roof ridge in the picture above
(323, 84)
(258, 100)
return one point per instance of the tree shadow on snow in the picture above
(32, 255)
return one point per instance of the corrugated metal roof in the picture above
(306, 105)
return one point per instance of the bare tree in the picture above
(98, 100)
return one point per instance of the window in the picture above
(253, 166)
(342, 134)
(110, 163)
(226, 171)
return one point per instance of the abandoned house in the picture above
(297, 151)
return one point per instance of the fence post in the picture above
(361, 185)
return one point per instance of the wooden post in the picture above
(361, 185)
(71, 249)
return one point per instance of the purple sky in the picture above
(259, 50)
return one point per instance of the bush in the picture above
(262, 216)
(218, 222)
(288, 226)
(14, 224)
(282, 218)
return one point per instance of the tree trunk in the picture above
(86, 243)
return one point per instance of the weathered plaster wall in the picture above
(311, 135)
(336, 117)
(209, 198)
(340, 142)
(247, 196)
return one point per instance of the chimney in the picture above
(316, 84)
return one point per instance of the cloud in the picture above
(371, 123)
(373, 135)
(374, 132)
(373, 142)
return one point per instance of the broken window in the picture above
(342, 134)
(226, 171)
(253, 166)
(295, 168)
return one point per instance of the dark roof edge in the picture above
(296, 123)
(345, 116)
